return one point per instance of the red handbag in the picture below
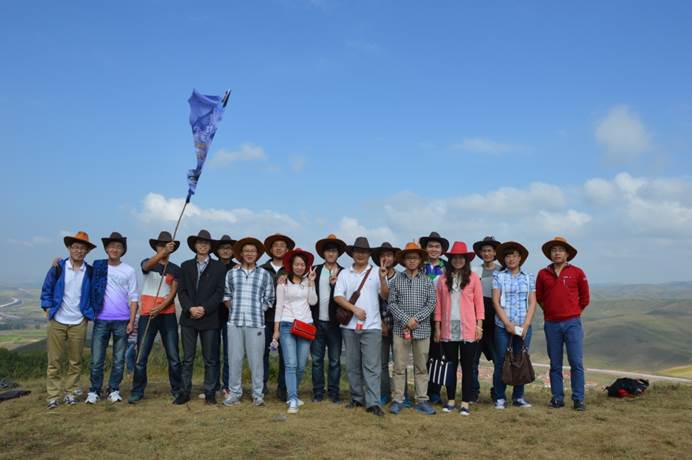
(304, 330)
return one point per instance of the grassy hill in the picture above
(640, 327)
(656, 425)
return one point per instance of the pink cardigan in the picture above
(472, 308)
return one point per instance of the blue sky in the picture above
(388, 118)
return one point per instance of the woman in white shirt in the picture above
(294, 295)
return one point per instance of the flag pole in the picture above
(163, 275)
(203, 119)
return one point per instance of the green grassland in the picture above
(656, 425)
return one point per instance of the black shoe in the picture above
(282, 394)
(556, 404)
(210, 400)
(353, 405)
(580, 406)
(317, 399)
(182, 398)
(335, 399)
(375, 410)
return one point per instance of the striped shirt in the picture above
(251, 293)
(514, 294)
(412, 298)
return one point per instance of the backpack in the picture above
(627, 388)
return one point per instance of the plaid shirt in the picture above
(251, 294)
(514, 294)
(384, 307)
(412, 298)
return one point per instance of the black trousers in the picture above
(210, 353)
(464, 353)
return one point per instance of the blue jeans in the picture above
(329, 337)
(103, 329)
(296, 350)
(567, 333)
(502, 338)
(130, 356)
(167, 326)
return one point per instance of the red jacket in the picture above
(562, 297)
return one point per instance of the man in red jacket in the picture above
(562, 291)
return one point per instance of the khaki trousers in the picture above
(64, 338)
(402, 348)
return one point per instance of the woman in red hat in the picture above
(459, 314)
(294, 295)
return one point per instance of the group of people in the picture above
(433, 308)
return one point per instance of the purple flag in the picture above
(205, 115)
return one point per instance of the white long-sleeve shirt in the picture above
(293, 301)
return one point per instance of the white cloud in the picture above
(485, 146)
(599, 191)
(31, 242)
(350, 229)
(297, 163)
(247, 152)
(622, 134)
(157, 208)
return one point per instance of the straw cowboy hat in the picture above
(288, 259)
(411, 248)
(328, 242)
(434, 236)
(238, 246)
(79, 237)
(459, 249)
(278, 237)
(203, 235)
(164, 238)
(487, 241)
(377, 252)
(559, 241)
(115, 237)
(509, 246)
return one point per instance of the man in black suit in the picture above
(200, 294)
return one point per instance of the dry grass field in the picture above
(656, 425)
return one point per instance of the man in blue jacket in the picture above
(65, 299)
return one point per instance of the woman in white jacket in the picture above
(294, 295)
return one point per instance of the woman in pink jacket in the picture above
(459, 314)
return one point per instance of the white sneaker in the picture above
(231, 400)
(500, 404)
(300, 402)
(293, 407)
(522, 403)
(114, 396)
(92, 398)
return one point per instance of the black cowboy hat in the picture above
(202, 235)
(330, 241)
(225, 239)
(386, 246)
(278, 237)
(117, 237)
(164, 238)
(360, 243)
(238, 246)
(509, 246)
(487, 241)
(434, 236)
